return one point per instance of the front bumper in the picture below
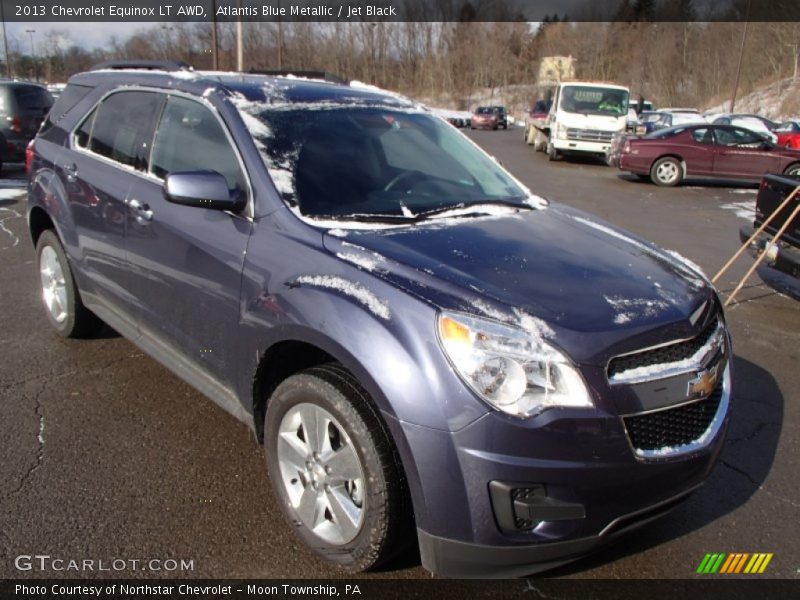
(452, 558)
(581, 459)
(782, 257)
(568, 146)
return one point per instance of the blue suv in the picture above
(421, 344)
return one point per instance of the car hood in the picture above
(557, 264)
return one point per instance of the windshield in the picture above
(346, 160)
(594, 100)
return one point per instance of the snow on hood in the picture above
(548, 269)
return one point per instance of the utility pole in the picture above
(33, 54)
(741, 57)
(5, 39)
(214, 40)
(239, 41)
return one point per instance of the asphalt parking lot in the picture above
(104, 454)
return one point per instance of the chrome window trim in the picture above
(249, 211)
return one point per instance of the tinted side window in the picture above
(31, 98)
(123, 127)
(191, 138)
(703, 136)
(84, 132)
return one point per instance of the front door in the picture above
(186, 262)
(742, 154)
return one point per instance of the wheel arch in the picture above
(39, 222)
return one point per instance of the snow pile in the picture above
(349, 288)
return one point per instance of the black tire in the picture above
(792, 170)
(552, 152)
(78, 321)
(387, 514)
(666, 172)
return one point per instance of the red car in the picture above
(668, 156)
(485, 117)
(788, 134)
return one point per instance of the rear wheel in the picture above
(792, 170)
(666, 171)
(335, 470)
(60, 295)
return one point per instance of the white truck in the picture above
(584, 117)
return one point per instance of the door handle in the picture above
(141, 211)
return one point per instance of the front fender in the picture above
(383, 335)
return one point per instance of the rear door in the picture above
(103, 161)
(741, 153)
(185, 262)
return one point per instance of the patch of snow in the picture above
(349, 288)
(361, 257)
(339, 233)
(742, 191)
(744, 210)
(406, 211)
(629, 309)
(659, 370)
(534, 325)
(283, 179)
(3, 228)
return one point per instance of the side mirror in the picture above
(202, 189)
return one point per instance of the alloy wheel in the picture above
(321, 473)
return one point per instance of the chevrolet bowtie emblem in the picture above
(703, 384)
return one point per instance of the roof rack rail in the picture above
(152, 65)
(324, 75)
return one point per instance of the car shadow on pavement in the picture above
(745, 462)
(689, 182)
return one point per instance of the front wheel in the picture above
(335, 470)
(552, 152)
(666, 172)
(62, 301)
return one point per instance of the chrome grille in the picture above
(671, 353)
(589, 135)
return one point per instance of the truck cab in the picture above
(585, 117)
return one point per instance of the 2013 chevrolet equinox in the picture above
(417, 339)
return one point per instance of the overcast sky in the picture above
(88, 35)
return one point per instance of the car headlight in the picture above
(561, 131)
(512, 369)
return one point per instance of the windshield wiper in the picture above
(463, 209)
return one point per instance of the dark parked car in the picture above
(668, 156)
(429, 352)
(23, 106)
(784, 255)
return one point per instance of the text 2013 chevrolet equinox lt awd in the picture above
(417, 339)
